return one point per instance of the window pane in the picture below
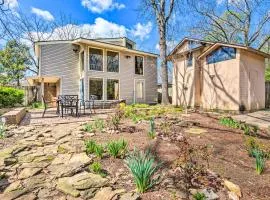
(112, 89)
(112, 61)
(82, 61)
(96, 59)
(139, 65)
(139, 90)
(96, 88)
(189, 60)
(221, 54)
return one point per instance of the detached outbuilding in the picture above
(215, 75)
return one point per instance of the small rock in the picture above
(10, 161)
(233, 188)
(233, 196)
(28, 172)
(130, 196)
(66, 188)
(13, 195)
(89, 193)
(196, 131)
(13, 186)
(30, 196)
(209, 194)
(107, 193)
(87, 180)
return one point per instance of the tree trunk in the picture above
(18, 82)
(164, 67)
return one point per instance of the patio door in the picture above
(82, 89)
(139, 91)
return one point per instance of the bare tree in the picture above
(240, 21)
(162, 11)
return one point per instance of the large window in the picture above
(112, 61)
(139, 65)
(112, 89)
(221, 54)
(96, 88)
(96, 59)
(189, 60)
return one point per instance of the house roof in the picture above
(214, 45)
(95, 42)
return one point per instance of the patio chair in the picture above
(46, 105)
(69, 102)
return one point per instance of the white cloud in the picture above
(98, 6)
(11, 4)
(142, 31)
(46, 15)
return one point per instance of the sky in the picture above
(103, 16)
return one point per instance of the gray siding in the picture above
(61, 61)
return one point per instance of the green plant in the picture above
(143, 168)
(9, 96)
(251, 144)
(99, 124)
(88, 128)
(36, 104)
(260, 160)
(117, 148)
(246, 128)
(151, 132)
(199, 196)
(229, 122)
(96, 167)
(99, 150)
(90, 146)
(2, 130)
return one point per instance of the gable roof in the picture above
(215, 45)
(96, 43)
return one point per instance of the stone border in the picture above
(14, 116)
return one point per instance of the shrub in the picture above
(151, 132)
(9, 96)
(115, 119)
(143, 168)
(90, 146)
(2, 130)
(36, 105)
(229, 122)
(117, 148)
(260, 160)
(199, 196)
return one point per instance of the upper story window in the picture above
(112, 61)
(96, 59)
(189, 60)
(129, 46)
(221, 54)
(139, 65)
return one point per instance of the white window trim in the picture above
(103, 59)
(107, 87)
(119, 67)
(135, 65)
(134, 96)
(103, 92)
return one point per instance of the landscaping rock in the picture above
(107, 193)
(30, 196)
(232, 196)
(13, 195)
(13, 186)
(89, 193)
(87, 180)
(10, 161)
(36, 181)
(130, 196)
(28, 172)
(196, 131)
(64, 186)
(233, 188)
(209, 194)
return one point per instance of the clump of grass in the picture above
(117, 148)
(92, 147)
(99, 124)
(199, 196)
(37, 105)
(229, 122)
(96, 167)
(260, 161)
(251, 145)
(151, 132)
(143, 168)
(88, 128)
(2, 130)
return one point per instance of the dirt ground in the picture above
(228, 156)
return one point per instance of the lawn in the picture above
(153, 152)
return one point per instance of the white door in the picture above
(139, 91)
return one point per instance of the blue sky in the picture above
(115, 14)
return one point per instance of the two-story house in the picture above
(110, 68)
